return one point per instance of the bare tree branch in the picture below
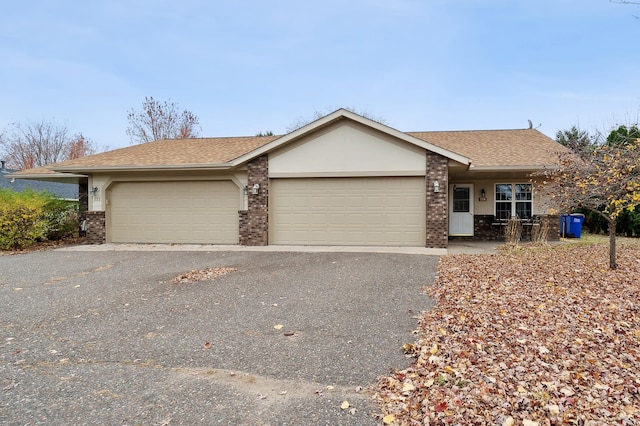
(627, 2)
(36, 144)
(161, 120)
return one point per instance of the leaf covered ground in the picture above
(536, 337)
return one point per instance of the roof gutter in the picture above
(44, 175)
(473, 168)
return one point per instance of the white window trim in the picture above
(513, 200)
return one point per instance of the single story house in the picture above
(341, 180)
(64, 191)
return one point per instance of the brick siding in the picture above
(83, 203)
(254, 222)
(437, 209)
(96, 227)
(485, 230)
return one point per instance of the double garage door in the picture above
(204, 212)
(384, 211)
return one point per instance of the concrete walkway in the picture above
(467, 247)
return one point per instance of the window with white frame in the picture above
(514, 199)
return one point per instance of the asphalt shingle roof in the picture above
(486, 148)
(194, 151)
(498, 148)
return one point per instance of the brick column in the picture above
(96, 228)
(83, 203)
(554, 226)
(437, 226)
(254, 222)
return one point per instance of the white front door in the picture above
(461, 209)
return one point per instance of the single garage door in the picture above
(385, 211)
(204, 212)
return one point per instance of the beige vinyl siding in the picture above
(204, 212)
(380, 211)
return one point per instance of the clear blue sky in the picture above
(249, 66)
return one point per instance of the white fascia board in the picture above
(343, 113)
(37, 176)
(49, 177)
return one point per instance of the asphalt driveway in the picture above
(106, 338)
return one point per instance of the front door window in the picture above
(461, 200)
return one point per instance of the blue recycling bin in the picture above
(575, 228)
(571, 225)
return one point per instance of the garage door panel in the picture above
(174, 212)
(348, 211)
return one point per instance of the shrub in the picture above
(513, 231)
(29, 216)
(61, 218)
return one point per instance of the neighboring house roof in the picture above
(68, 191)
(482, 149)
(499, 149)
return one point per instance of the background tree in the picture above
(36, 144)
(624, 135)
(303, 121)
(604, 179)
(161, 120)
(576, 140)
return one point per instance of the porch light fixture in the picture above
(483, 193)
(94, 191)
(255, 188)
(436, 186)
(245, 190)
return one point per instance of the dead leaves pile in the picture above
(201, 275)
(542, 337)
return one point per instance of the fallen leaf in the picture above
(567, 392)
(409, 348)
(389, 419)
(407, 387)
(201, 275)
(553, 409)
(207, 345)
(509, 421)
(440, 407)
(278, 326)
(527, 422)
(540, 331)
(345, 405)
(262, 396)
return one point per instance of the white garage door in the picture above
(387, 211)
(204, 212)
